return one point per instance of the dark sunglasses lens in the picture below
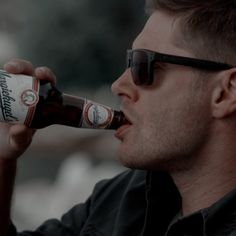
(139, 67)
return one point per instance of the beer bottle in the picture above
(24, 100)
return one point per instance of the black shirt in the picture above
(140, 203)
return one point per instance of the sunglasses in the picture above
(142, 61)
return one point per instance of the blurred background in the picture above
(84, 42)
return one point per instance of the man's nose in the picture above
(125, 87)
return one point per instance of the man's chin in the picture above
(132, 161)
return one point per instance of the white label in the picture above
(18, 97)
(96, 115)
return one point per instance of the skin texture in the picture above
(184, 123)
(170, 119)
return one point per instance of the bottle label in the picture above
(96, 115)
(18, 98)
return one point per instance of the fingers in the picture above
(44, 73)
(14, 140)
(19, 66)
(20, 137)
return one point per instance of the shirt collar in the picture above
(164, 199)
(221, 216)
(163, 202)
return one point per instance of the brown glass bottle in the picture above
(24, 100)
(55, 107)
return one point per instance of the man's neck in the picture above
(206, 183)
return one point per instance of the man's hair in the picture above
(208, 27)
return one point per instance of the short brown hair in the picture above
(208, 27)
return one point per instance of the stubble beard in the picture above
(170, 142)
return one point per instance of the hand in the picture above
(15, 138)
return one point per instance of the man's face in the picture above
(170, 118)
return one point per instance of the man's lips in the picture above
(120, 131)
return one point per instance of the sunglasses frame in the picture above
(153, 57)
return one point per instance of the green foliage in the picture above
(83, 41)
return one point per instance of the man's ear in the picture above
(224, 94)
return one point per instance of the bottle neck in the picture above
(94, 115)
(55, 107)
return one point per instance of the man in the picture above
(179, 94)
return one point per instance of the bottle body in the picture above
(39, 106)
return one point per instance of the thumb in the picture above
(20, 137)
